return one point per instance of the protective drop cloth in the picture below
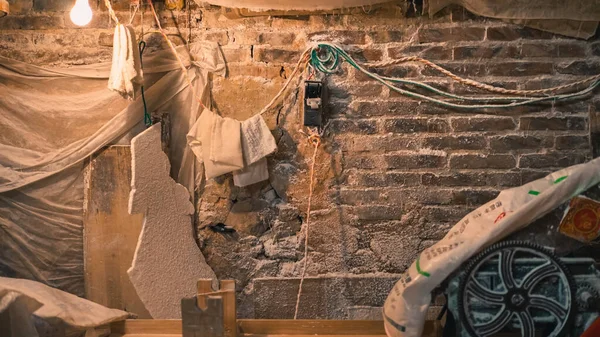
(406, 306)
(578, 18)
(51, 120)
(21, 300)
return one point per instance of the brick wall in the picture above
(393, 173)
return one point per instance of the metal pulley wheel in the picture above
(518, 288)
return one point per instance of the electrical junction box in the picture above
(314, 100)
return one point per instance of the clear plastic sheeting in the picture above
(51, 120)
(406, 306)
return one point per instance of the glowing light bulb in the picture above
(81, 14)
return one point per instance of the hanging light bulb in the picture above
(81, 14)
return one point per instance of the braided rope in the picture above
(314, 139)
(480, 85)
(111, 12)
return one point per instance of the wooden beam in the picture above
(266, 327)
(110, 234)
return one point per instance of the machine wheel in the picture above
(516, 286)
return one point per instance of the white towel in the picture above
(216, 142)
(126, 65)
(257, 143)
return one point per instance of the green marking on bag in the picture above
(560, 179)
(532, 192)
(424, 273)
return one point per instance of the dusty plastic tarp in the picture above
(406, 306)
(571, 18)
(21, 301)
(308, 5)
(53, 119)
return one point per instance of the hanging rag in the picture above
(126, 67)
(216, 141)
(257, 143)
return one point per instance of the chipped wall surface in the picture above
(392, 175)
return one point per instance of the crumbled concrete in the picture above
(167, 262)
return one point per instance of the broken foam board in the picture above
(167, 262)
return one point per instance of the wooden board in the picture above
(265, 328)
(110, 234)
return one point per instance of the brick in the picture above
(339, 36)
(31, 22)
(515, 142)
(367, 54)
(520, 68)
(221, 37)
(596, 48)
(360, 162)
(571, 50)
(359, 197)
(427, 52)
(232, 55)
(17, 38)
(459, 68)
(515, 33)
(539, 50)
(461, 124)
(384, 179)
(420, 196)
(473, 197)
(382, 108)
(474, 161)
(106, 39)
(451, 34)
(387, 36)
(52, 5)
(553, 123)
(455, 142)
(528, 176)
(438, 125)
(369, 90)
(579, 68)
(555, 159)
(485, 52)
(276, 55)
(354, 126)
(415, 161)
(504, 179)
(454, 179)
(408, 125)
(572, 142)
(377, 212)
(401, 71)
(264, 71)
(276, 38)
(405, 125)
(384, 143)
(443, 214)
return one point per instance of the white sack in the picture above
(406, 306)
(21, 299)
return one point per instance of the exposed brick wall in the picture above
(393, 173)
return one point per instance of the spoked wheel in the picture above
(518, 288)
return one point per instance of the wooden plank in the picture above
(267, 327)
(110, 234)
(308, 327)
